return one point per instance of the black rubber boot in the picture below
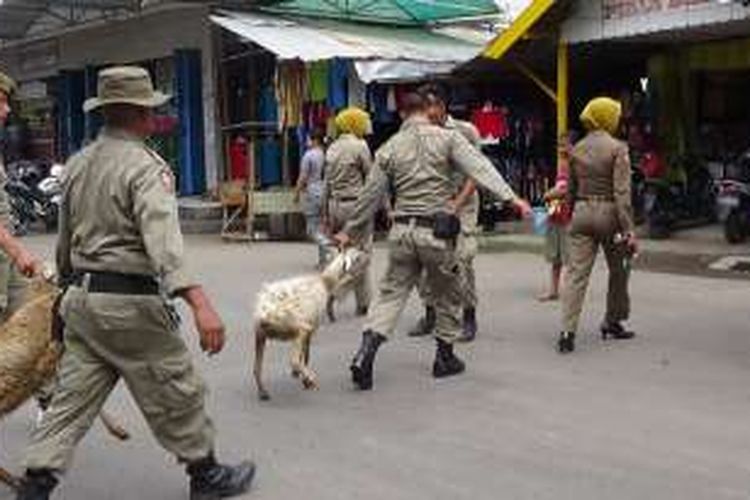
(615, 331)
(566, 343)
(470, 325)
(446, 362)
(209, 480)
(37, 485)
(364, 360)
(426, 324)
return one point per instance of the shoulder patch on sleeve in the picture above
(167, 178)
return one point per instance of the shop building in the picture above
(57, 72)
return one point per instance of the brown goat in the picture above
(29, 356)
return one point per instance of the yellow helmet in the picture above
(354, 121)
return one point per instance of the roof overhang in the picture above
(18, 18)
(379, 52)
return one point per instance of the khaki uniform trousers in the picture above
(339, 213)
(135, 338)
(594, 225)
(467, 249)
(412, 252)
(13, 287)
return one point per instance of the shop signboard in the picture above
(35, 89)
(39, 56)
(617, 9)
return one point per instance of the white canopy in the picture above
(379, 52)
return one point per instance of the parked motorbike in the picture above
(673, 204)
(733, 200)
(638, 195)
(35, 193)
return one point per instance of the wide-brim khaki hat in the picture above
(125, 85)
(7, 85)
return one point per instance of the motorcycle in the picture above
(35, 191)
(673, 204)
(733, 200)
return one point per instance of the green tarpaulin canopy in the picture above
(407, 12)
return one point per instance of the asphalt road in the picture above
(663, 417)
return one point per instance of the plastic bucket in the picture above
(540, 220)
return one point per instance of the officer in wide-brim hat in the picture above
(7, 85)
(125, 85)
(123, 267)
(14, 259)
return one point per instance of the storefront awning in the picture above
(380, 52)
(520, 28)
(404, 12)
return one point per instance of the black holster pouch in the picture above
(447, 226)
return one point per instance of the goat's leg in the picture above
(309, 379)
(260, 347)
(9, 479)
(298, 364)
(306, 350)
(331, 308)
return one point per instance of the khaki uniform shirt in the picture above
(419, 164)
(600, 168)
(119, 213)
(469, 212)
(4, 198)
(348, 163)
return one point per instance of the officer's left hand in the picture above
(207, 320)
(523, 207)
(27, 263)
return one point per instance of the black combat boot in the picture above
(566, 343)
(364, 360)
(209, 480)
(426, 325)
(470, 325)
(37, 485)
(615, 331)
(446, 362)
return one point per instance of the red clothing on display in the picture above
(238, 159)
(491, 122)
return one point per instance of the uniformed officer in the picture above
(418, 163)
(12, 283)
(348, 162)
(120, 251)
(465, 203)
(600, 188)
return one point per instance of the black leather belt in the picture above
(117, 283)
(417, 220)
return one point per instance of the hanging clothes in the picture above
(318, 81)
(239, 158)
(391, 100)
(338, 84)
(291, 89)
(316, 116)
(268, 107)
(269, 157)
(378, 97)
(491, 122)
(357, 90)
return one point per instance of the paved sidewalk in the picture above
(692, 251)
